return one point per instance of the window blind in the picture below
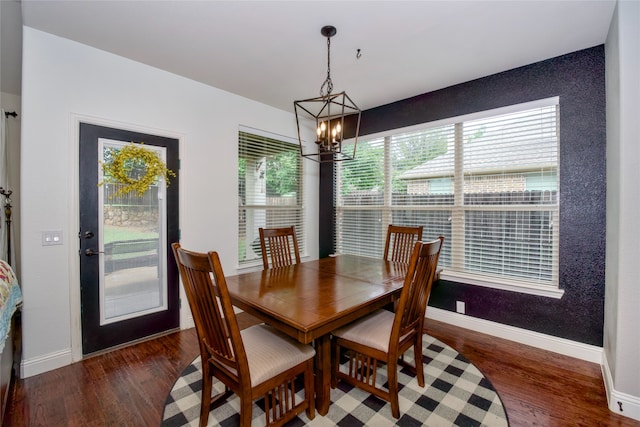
(510, 195)
(488, 184)
(269, 191)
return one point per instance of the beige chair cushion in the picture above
(373, 330)
(270, 352)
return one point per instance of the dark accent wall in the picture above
(578, 80)
(327, 218)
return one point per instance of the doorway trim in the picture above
(74, 218)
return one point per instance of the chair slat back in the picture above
(216, 323)
(277, 244)
(400, 241)
(417, 288)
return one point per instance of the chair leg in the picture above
(335, 362)
(417, 358)
(246, 411)
(205, 400)
(392, 372)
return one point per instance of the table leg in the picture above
(323, 374)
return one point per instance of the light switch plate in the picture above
(50, 238)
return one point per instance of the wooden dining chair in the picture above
(255, 362)
(384, 336)
(400, 242)
(277, 243)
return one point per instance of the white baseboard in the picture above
(48, 362)
(620, 403)
(582, 351)
(51, 361)
(186, 320)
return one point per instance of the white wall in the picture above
(621, 363)
(64, 82)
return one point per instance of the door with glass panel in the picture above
(129, 280)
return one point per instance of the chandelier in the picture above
(336, 118)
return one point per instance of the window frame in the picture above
(458, 208)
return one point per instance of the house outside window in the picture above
(269, 190)
(488, 182)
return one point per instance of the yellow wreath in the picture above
(119, 168)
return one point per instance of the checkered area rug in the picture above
(455, 394)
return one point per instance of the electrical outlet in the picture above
(460, 307)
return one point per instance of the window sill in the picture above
(540, 290)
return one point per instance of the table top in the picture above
(311, 299)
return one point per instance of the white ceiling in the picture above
(273, 52)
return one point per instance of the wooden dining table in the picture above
(309, 300)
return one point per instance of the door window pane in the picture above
(133, 275)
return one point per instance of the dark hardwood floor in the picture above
(128, 387)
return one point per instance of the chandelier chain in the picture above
(327, 84)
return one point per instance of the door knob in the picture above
(91, 252)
